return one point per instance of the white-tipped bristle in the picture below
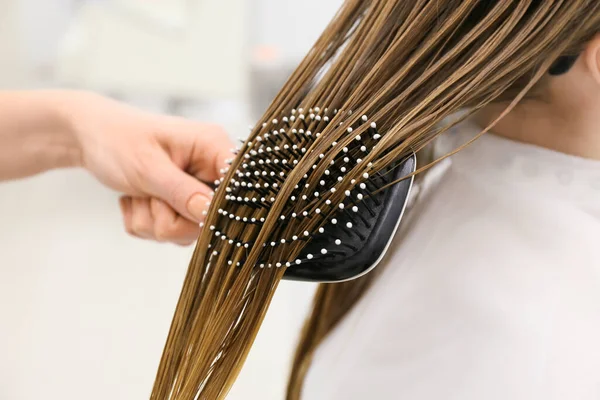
(355, 209)
(306, 233)
(309, 256)
(298, 262)
(341, 206)
(349, 225)
(323, 251)
(373, 125)
(338, 242)
(364, 118)
(366, 175)
(334, 221)
(321, 230)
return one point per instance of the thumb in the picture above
(185, 193)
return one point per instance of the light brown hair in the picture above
(406, 64)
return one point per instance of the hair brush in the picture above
(351, 236)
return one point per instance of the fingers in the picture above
(212, 150)
(150, 218)
(209, 144)
(141, 219)
(125, 202)
(195, 152)
(183, 192)
(171, 227)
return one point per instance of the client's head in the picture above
(568, 101)
(403, 65)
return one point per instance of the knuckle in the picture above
(164, 232)
(139, 226)
(129, 230)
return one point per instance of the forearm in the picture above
(35, 134)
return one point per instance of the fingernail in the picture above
(196, 205)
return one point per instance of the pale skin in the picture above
(159, 163)
(565, 117)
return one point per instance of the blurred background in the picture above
(85, 309)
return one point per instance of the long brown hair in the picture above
(407, 64)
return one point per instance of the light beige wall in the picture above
(12, 74)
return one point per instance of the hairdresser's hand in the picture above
(158, 162)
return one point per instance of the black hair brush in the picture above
(353, 235)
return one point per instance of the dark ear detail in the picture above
(562, 65)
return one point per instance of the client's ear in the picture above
(591, 58)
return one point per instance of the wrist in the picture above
(66, 141)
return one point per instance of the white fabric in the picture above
(494, 292)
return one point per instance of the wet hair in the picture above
(405, 64)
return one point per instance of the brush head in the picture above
(361, 234)
(343, 208)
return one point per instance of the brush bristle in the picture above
(267, 162)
